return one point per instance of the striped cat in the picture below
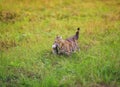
(66, 46)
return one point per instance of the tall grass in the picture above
(28, 29)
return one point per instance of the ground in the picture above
(28, 29)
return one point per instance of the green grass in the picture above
(28, 29)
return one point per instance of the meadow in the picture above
(28, 29)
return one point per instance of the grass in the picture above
(28, 29)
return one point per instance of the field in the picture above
(28, 29)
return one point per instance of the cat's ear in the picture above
(57, 36)
(60, 37)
